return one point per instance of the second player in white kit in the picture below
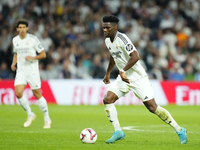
(25, 58)
(27, 70)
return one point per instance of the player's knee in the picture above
(18, 94)
(152, 108)
(37, 94)
(107, 100)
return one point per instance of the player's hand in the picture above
(124, 77)
(13, 68)
(29, 58)
(106, 79)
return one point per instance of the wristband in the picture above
(122, 70)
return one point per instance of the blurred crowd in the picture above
(165, 33)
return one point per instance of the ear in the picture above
(115, 27)
(26, 28)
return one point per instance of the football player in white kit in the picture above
(25, 46)
(132, 77)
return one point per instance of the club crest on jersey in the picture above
(116, 46)
(26, 43)
(129, 47)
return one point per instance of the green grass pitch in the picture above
(145, 131)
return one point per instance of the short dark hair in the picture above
(111, 18)
(22, 21)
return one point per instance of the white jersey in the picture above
(120, 50)
(27, 47)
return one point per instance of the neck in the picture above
(22, 36)
(113, 37)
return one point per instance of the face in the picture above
(109, 29)
(22, 29)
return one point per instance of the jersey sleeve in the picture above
(127, 44)
(38, 46)
(14, 49)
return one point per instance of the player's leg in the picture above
(35, 84)
(43, 106)
(110, 109)
(111, 113)
(111, 96)
(167, 118)
(20, 84)
(143, 89)
(24, 103)
(22, 100)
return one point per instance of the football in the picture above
(88, 135)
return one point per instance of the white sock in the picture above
(111, 113)
(43, 106)
(167, 118)
(24, 103)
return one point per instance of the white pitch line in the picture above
(136, 128)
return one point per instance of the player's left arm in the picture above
(39, 48)
(41, 55)
(134, 57)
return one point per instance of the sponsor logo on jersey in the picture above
(22, 50)
(116, 54)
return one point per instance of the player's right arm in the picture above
(106, 79)
(14, 62)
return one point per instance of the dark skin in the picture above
(110, 30)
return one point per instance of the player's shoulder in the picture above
(107, 41)
(31, 36)
(122, 37)
(16, 38)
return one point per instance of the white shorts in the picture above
(33, 80)
(141, 88)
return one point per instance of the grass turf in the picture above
(145, 131)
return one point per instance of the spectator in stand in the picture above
(49, 73)
(176, 73)
(5, 41)
(65, 72)
(97, 70)
(87, 61)
(197, 75)
(189, 75)
(46, 41)
(56, 65)
(4, 73)
(81, 71)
